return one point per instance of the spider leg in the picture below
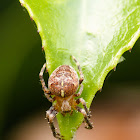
(50, 115)
(80, 70)
(47, 93)
(81, 100)
(81, 110)
(80, 91)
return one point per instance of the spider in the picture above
(63, 84)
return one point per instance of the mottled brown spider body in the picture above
(63, 81)
(63, 84)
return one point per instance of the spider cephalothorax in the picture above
(63, 84)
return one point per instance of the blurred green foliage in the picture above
(21, 58)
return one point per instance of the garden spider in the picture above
(63, 84)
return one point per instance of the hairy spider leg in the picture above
(50, 115)
(80, 91)
(80, 70)
(84, 111)
(47, 92)
(81, 100)
(81, 110)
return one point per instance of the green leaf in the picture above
(96, 32)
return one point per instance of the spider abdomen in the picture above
(63, 81)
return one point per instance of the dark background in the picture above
(21, 96)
